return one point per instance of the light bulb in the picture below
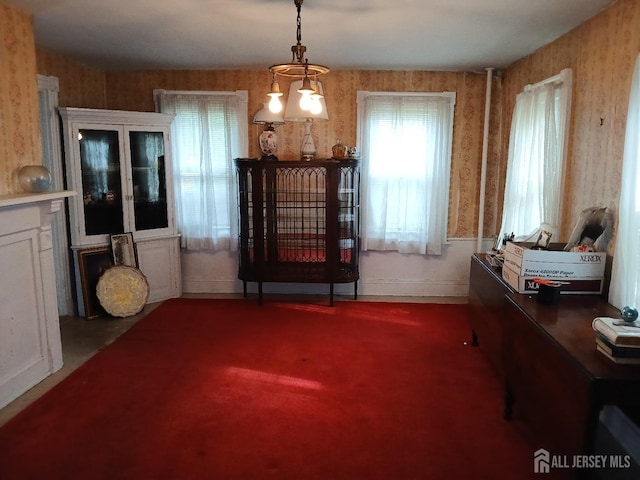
(305, 102)
(316, 105)
(275, 105)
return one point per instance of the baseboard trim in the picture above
(404, 288)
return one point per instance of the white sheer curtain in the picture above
(535, 165)
(209, 131)
(153, 150)
(405, 140)
(625, 274)
(94, 151)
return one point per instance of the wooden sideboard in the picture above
(487, 293)
(554, 378)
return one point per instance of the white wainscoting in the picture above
(30, 346)
(381, 273)
(159, 260)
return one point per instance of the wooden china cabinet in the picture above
(299, 221)
(119, 163)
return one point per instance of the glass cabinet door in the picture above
(101, 181)
(149, 180)
(119, 163)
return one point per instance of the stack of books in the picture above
(618, 342)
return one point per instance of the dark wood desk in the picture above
(487, 294)
(554, 375)
(554, 378)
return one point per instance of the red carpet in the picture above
(227, 389)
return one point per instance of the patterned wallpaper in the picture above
(601, 53)
(134, 91)
(79, 85)
(19, 124)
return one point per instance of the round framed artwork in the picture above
(122, 291)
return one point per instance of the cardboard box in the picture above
(553, 263)
(525, 284)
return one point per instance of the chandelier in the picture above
(300, 69)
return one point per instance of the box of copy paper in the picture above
(554, 262)
(526, 284)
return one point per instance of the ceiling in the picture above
(467, 35)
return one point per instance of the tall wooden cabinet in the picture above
(119, 163)
(299, 221)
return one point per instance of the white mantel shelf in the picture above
(30, 346)
(25, 198)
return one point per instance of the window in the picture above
(625, 274)
(209, 131)
(405, 140)
(537, 150)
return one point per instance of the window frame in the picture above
(564, 78)
(214, 243)
(431, 246)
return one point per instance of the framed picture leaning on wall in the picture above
(124, 251)
(93, 262)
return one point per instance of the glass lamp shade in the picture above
(294, 113)
(268, 140)
(265, 116)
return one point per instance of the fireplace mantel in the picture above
(30, 347)
(28, 198)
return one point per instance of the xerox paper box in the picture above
(525, 284)
(553, 263)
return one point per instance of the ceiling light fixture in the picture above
(300, 69)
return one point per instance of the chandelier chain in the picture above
(299, 23)
(299, 66)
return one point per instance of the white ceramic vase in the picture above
(268, 143)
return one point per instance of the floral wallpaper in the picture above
(601, 52)
(80, 85)
(134, 91)
(19, 124)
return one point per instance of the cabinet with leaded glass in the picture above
(298, 222)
